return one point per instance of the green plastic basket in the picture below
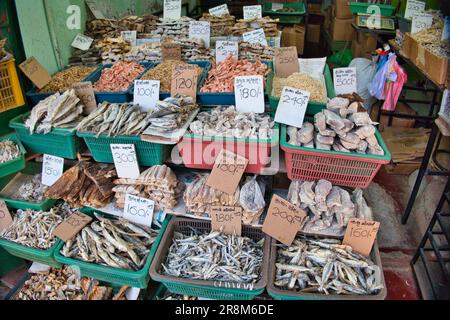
(32, 254)
(286, 17)
(362, 7)
(59, 142)
(313, 107)
(137, 279)
(148, 153)
(6, 116)
(14, 165)
(8, 262)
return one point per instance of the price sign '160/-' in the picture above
(139, 210)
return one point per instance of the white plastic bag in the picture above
(365, 71)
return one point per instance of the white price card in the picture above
(292, 107)
(249, 94)
(82, 42)
(132, 294)
(200, 30)
(277, 6)
(256, 36)
(344, 80)
(172, 9)
(224, 49)
(421, 21)
(130, 36)
(146, 94)
(413, 7)
(139, 210)
(125, 160)
(252, 12)
(219, 10)
(52, 169)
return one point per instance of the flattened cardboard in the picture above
(171, 51)
(227, 220)
(70, 227)
(184, 81)
(35, 72)
(5, 217)
(286, 61)
(360, 235)
(85, 92)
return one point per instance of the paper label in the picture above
(255, 36)
(361, 235)
(52, 169)
(219, 10)
(171, 51)
(312, 66)
(227, 172)
(226, 48)
(292, 107)
(421, 21)
(277, 6)
(200, 30)
(286, 61)
(139, 210)
(413, 7)
(125, 160)
(70, 227)
(5, 217)
(37, 267)
(132, 294)
(130, 36)
(283, 220)
(82, 42)
(146, 94)
(252, 12)
(249, 94)
(172, 9)
(35, 72)
(344, 80)
(85, 92)
(184, 81)
(227, 220)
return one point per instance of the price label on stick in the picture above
(70, 227)
(252, 12)
(219, 10)
(146, 93)
(125, 160)
(283, 220)
(256, 36)
(361, 234)
(139, 210)
(52, 169)
(421, 21)
(130, 36)
(5, 217)
(228, 220)
(200, 30)
(82, 42)
(35, 72)
(286, 61)
(249, 93)
(292, 107)
(85, 92)
(172, 9)
(413, 7)
(344, 80)
(224, 49)
(184, 81)
(171, 51)
(227, 172)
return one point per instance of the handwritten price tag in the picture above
(283, 220)
(286, 61)
(125, 160)
(249, 93)
(171, 51)
(5, 217)
(292, 107)
(35, 72)
(228, 220)
(82, 42)
(130, 36)
(344, 80)
(421, 21)
(219, 10)
(255, 36)
(224, 49)
(70, 227)
(85, 92)
(172, 9)
(139, 210)
(361, 235)
(227, 172)
(52, 169)
(200, 30)
(413, 7)
(184, 81)
(252, 12)
(146, 93)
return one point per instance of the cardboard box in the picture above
(359, 52)
(294, 36)
(406, 49)
(436, 67)
(342, 9)
(313, 34)
(315, 8)
(367, 41)
(342, 30)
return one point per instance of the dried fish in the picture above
(255, 51)
(9, 150)
(220, 25)
(119, 77)
(173, 27)
(32, 191)
(269, 25)
(301, 81)
(64, 80)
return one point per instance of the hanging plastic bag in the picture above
(397, 77)
(377, 86)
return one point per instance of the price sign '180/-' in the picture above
(249, 94)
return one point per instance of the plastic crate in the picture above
(361, 7)
(8, 262)
(286, 17)
(14, 165)
(340, 168)
(148, 153)
(280, 294)
(200, 152)
(10, 91)
(313, 107)
(137, 279)
(204, 288)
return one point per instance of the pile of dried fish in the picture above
(101, 28)
(340, 127)
(9, 150)
(147, 52)
(227, 122)
(269, 25)
(119, 77)
(325, 266)
(32, 191)
(192, 49)
(286, 10)
(176, 297)
(220, 25)
(85, 184)
(221, 76)
(329, 207)
(177, 28)
(301, 81)
(431, 38)
(56, 111)
(157, 183)
(65, 79)
(34, 229)
(255, 51)
(113, 243)
(92, 56)
(112, 50)
(214, 257)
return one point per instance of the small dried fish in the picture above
(301, 81)
(32, 191)
(9, 150)
(63, 80)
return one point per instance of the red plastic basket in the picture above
(355, 170)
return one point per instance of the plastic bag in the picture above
(397, 78)
(376, 87)
(252, 200)
(341, 59)
(365, 71)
